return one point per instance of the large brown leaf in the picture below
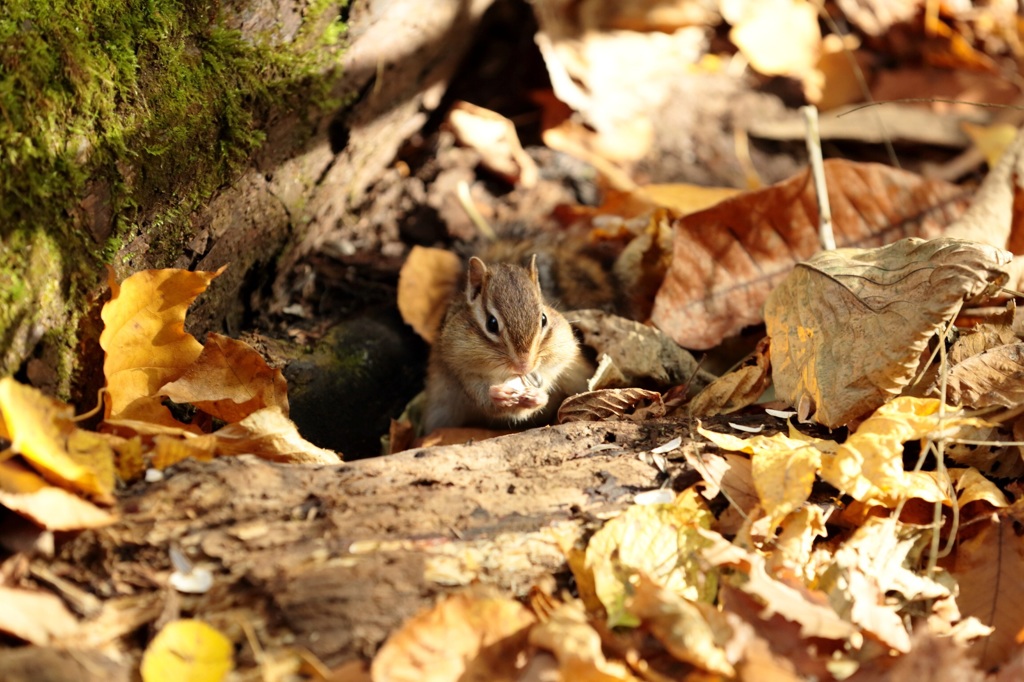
(729, 257)
(847, 327)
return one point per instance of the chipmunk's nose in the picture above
(523, 365)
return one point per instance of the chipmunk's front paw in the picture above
(517, 394)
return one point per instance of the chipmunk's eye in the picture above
(543, 320)
(492, 324)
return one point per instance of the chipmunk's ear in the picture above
(476, 277)
(533, 270)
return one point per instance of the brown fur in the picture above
(467, 361)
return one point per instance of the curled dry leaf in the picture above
(848, 327)
(992, 377)
(643, 356)
(634, 404)
(737, 389)
(577, 646)
(693, 632)
(727, 259)
(269, 434)
(229, 380)
(426, 283)
(53, 508)
(464, 637)
(494, 137)
(144, 336)
(994, 216)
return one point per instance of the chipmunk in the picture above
(503, 357)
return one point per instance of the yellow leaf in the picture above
(229, 380)
(683, 199)
(783, 467)
(464, 637)
(659, 540)
(187, 651)
(53, 508)
(144, 334)
(169, 450)
(991, 140)
(869, 465)
(42, 431)
(973, 487)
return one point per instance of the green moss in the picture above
(153, 101)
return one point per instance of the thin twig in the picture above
(466, 201)
(825, 233)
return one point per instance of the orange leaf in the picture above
(728, 258)
(425, 286)
(144, 334)
(230, 380)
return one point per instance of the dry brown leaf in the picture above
(979, 340)
(870, 578)
(992, 377)
(229, 381)
(783, 596)
(52, 508)
(144, 334)
(42, 431)
(464, 638)
(494, 137)
(641, 267)
(987, 568)
(426, 284)
(267, 433)
(728, 258)
(737, 389)
(36, 617)
(693, 632)
(577, 646)
(791, 656)
(634, 404)
(642, 355)
(848, 327)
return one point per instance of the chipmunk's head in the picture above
(509, 311)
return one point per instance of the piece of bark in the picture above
(336, 557)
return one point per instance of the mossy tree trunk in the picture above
(158, 133)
